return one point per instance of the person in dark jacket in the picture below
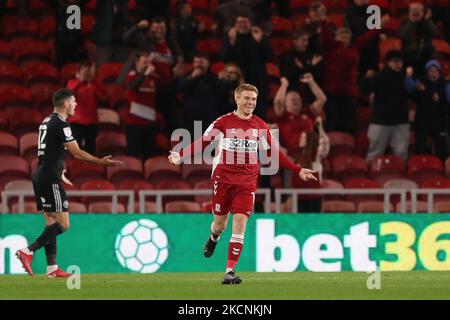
(201, 91)
(417, 33)
(432, 110)
(248, 47)
(68, 42)
(389, 124)
(187, 30)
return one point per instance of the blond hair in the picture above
(245, 87)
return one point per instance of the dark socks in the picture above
(50, 232)
(50, 252)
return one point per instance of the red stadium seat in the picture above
(136, 185)
(159, 167)
(13, 168)
(281, 45)
(111, 143)
(442, 48)
(68, 72)
(19, 185)
(131, 169)
(441, 207)
(30, 49)
(80, 171)
(10, 74)
(422, 167)
(8, 144)
(358, 183)
(372, 207)
(299, 6)
(47, 27)
(87, 24)
(118, 99)
(183, 207)
(281, 26)
(77, 207)
(3, 122)
(273, 72)
(389, 44)
(207, 206)
(107, 73)
(340, 143)
(386, 167)
(337, 19)
(43, 95)
(399, 7)
(6, 51)
(338, 206)
(105, 207)
(20, 27)
(200, 7)
(15, 96)
(29, 207)
(206, 20)
(23, 120)
(173, 184)
(109, 120)
(217, 67)
(205, 184)
(349, 166)
(194, 173)
(436, 183)
(362, 144)
(211, 46)
(39, 8)
(332, 184)
(421, 206)
(40, 72)
(97, 185)
(28, 144)
(149, 207)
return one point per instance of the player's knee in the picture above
(220, 227)
(64, 226)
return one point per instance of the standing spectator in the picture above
(341, 60)
(355, 19)
(68, 42)
(432, 110)
(389, 124)
(248, 47)
(293, 119)
(297, 62)
(187, 29)
(88, 91)
(201, 91)
(314, 146)
(164, 53)
(416, 33)
(111, 21)
(141, 117)
(317, 13)
(231, 77)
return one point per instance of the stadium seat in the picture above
(8, 144)
(105, 207)
(346, 167)
(19, 185)
(442, 48)
(68, 71)
(205, 184)
(107, 73)
(13, 168)
(172, 184)
(421, 206)
(43, 94)
(423, 167)
(23, 120)
(399, 7)
(281, 26)
(29, 207)
(28, 145)
(299, 6)
(403, 183)
(332, 184)
(15, 96)
(118, 100)
(338, 206)
(33, 165)
(389, 44)
(109, 120)
(183, 207)
(337, 19)
(47, 27)
(149, 207)
(194, 173)
(372, 207)
(4, 127)
(200, 7)
(386, 167)
(436, 183)
(77, 207)
(80, 171)
(97, 185)
(131, 169)
(87, 24)
(441, 207)
(207, 206)
(362, 144)
(281, 45)
(30, 49)
(10, 74)
(273, 72)
(335, 6)
(20, 27)
(159, 167)
(136, 185)
(340, 143)
(111, 143)
(39, 8)
(6, 51)
(40, 72)
(217, 67)
(211, 47)
(361, 183)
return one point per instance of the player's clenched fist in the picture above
(174, 157)
(307, 174)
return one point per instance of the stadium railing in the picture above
(385, 192)
(430, 197)
(6, 195)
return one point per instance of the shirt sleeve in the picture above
(64, 133)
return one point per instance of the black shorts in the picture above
(50, 194)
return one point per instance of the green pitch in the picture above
(186, 286)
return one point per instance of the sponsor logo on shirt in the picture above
(240, 145)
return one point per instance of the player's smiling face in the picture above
(246, 102)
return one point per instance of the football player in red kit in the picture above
(241, 137)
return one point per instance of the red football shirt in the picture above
(88, 94)
(240, 142)
(291, 127)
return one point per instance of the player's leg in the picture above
(218, 226)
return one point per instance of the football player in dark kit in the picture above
(55, 136)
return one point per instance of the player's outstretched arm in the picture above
(174, 158)
(82, 155)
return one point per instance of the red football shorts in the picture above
(234, 198)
